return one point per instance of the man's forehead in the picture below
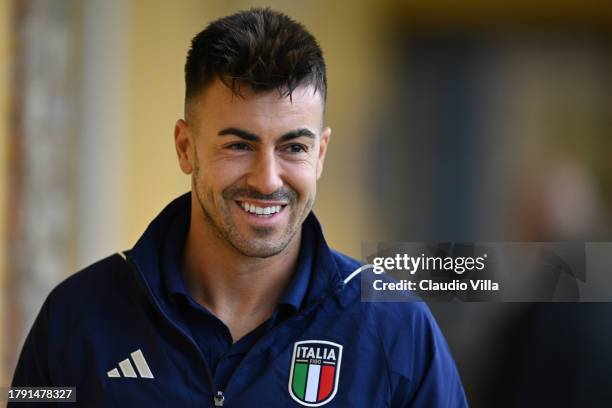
(218, 98)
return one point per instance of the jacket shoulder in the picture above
(68, 315)
(94, 291)
(405, 328)
(101, 276)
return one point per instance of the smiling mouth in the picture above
(267, 211)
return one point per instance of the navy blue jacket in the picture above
(107, 331)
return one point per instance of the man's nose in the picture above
(265, 176)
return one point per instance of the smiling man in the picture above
(232, 297)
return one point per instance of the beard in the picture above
(258, 242)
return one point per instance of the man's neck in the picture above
(241, 291)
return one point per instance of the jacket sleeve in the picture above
(33, 365)
(422, 369)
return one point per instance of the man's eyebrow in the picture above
(243, 134)
(297, 133)
(240, 133)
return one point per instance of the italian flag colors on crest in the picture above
(315, 369)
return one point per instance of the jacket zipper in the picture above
(219, 399)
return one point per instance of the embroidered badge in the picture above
(315, 369)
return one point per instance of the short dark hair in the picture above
(260, 47)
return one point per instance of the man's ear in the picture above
(184, 145)
(325, 137)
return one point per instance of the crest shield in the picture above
(315, 370)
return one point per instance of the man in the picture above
(232, 297)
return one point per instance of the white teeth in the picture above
(253, 209)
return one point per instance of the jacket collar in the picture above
(156, 257)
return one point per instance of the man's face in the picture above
(255, 163)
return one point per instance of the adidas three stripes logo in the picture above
(128, 370)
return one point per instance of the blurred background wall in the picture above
(470, 121)
(5, 66)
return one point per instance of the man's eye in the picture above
(239, 146)
(296, 148)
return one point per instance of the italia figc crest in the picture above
(315, 369)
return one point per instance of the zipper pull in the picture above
(219, 399)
